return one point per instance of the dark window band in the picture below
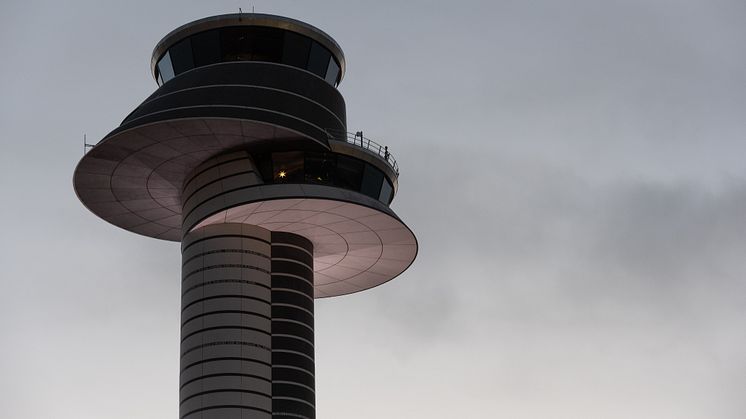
(295, 391)
(288, 252)
(301, 285)
(292, 329)
(280, 312)
(295, 375)
(294, 359)
(286, 266)
(293, 343)
(292, 298)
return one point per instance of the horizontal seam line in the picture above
(214, 297)
(224, 236)
(202, 393)
(225, 358)
(225, 406)
(210, 329)
(212, 252)
(227, 374)
(215, 312)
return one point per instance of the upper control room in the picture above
(248, 37)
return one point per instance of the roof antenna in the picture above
(86, 146)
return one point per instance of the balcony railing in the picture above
(366, 144)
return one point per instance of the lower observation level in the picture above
(242, 155)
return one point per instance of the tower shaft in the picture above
(247, 345)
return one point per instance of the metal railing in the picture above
(367, 144)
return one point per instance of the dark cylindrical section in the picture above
(293, 394)
(226, 326)
(267, 93)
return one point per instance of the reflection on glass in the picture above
(296, 49)
(386, 191)
(332, 71)
(349, 172)
(165, 68)
(181, 56)
(206, 48)
(318, 61)
(372, 178)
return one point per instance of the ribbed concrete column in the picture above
(292, 327)
(226, 343)
(247, 346)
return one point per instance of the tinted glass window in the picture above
(319, 167)
(165, 68)
(386, 191)
(296, 49)
(264, 164)
(252, 44)
(332, 71)
(267, 45)
(237, 46)
(181, 56)
(372, 179)
(287, 167)
(206, 48)
(318, 61)
(349, 173)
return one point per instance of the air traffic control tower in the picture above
(242, 155)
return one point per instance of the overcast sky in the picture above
(575, 172)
